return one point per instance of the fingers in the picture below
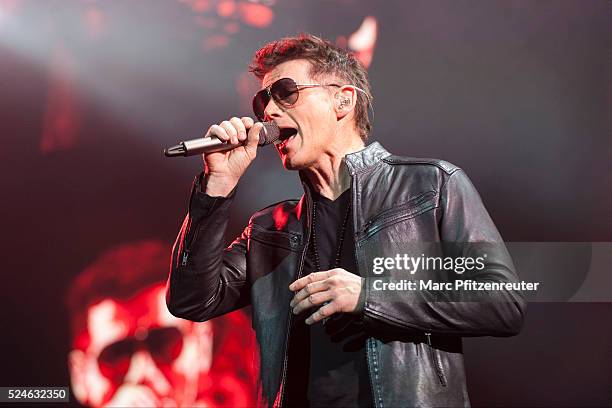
(218, 131)
(337, 290)
(313, 277)
(309, 289)
(240, 128)
(323, 312)
(233, 131)
(247, 121)
(253, 135)
(312, 295)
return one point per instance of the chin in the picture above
(290, 162)
(290, 165)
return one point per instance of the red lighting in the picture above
(215, 42)
(226, 8)
(255, 15)
(280, 217)
(94, 20)
(61, 119)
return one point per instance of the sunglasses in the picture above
(285, 92)
(163, 344)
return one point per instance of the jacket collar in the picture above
(366, 157)
(359, 161)
(356, 162)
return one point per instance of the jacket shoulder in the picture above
(270, 216)
(446, 167)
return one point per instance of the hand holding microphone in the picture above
(210, 143)
(228, 149)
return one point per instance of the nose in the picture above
(272, 110)
(143, 370)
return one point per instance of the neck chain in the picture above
(341, 233)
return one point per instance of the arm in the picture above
(466, 227)
(205, 279)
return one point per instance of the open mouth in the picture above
(286, 133)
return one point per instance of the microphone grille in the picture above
(269, 134)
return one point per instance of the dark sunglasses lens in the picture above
(260, 101)
(165, 345)
(285, 91)
(114, 360)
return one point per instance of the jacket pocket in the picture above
(275, 238)
(410, 209)
(435, 360)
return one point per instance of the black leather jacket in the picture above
(414, 349)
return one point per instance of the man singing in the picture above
(325, 336)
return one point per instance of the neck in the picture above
(329, 176)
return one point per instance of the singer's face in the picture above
(135, 352)
(313, 116)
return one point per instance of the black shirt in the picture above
(328, 360)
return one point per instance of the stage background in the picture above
(517, 93)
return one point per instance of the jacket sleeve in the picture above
(207, 280)
(466, 230)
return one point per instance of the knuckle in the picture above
(237, 123)
(228, 126)
(218, 131)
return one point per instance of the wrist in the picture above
(217, 186)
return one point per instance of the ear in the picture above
(77, 367)
(345, 100)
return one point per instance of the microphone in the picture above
(270, 133)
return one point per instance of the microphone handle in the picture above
(268, 134)
(209, 144)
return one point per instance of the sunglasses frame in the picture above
(268, 92)
(132, 344)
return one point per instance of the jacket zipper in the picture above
(185, 257)
(396, 215)
(436, 361)
(288, 327)
(187, 242)
(355, 238)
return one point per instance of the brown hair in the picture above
(118, 273)
(325, 59)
